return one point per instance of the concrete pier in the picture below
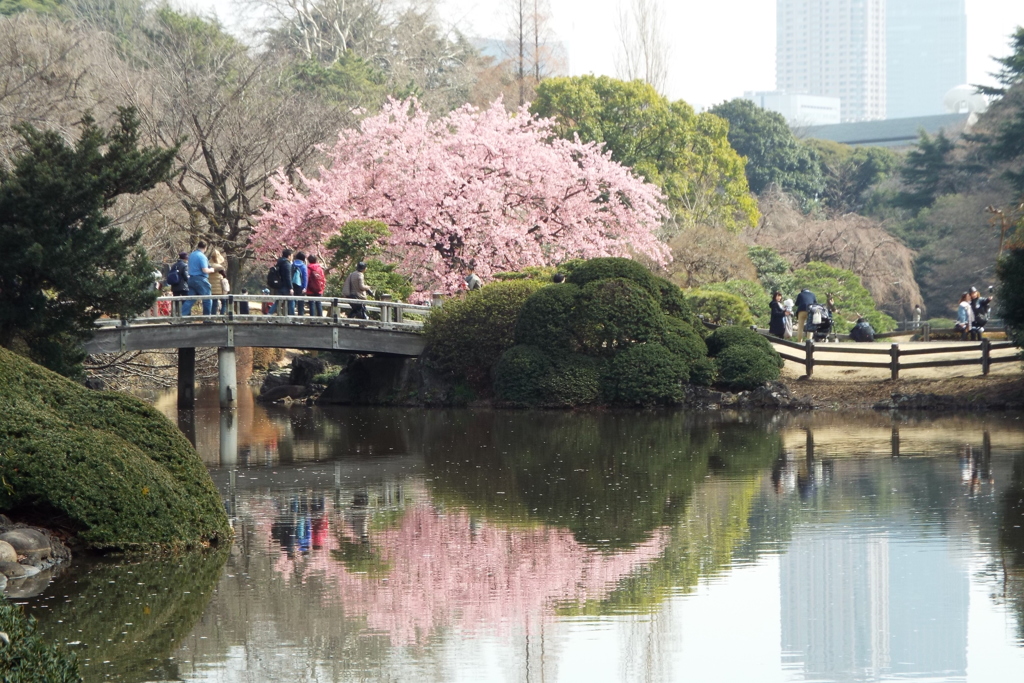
(227, 383)
(186, 378)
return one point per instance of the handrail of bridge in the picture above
(168, 309)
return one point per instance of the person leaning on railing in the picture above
(355, 288)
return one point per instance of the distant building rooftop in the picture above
(890, 132)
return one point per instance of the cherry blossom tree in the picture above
(482, 187)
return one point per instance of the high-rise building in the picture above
(926, 55)
(834, 48)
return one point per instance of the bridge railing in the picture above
(270, 309)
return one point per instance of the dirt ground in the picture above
(856, 388)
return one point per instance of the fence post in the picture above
(335, 310)
(927, 327)
(436, 300)
(809, 357)
(231, 307)
(894, 361)
(385, 309)
(986, 355)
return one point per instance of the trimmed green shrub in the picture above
(682, 341)
(519, 373)
(539, 273)
(752, 294)
(27, 658)
(571, 381)
(724, 337)
(467, 334)
(585, 272)
(744, 366)
(645, 374)
(721, 308)
(612, 314)
(110, 465)
(545, 319)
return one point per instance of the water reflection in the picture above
(380, 544)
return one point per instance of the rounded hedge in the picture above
(571, 381)
(679, 338)
(727, 336)
(720, 307)
(744, 366)
(546, 318)
(466, 334)
(613, 314)
(645, 374)
(519, 373)
(585, 272)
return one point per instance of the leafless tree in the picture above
(530, 49)
(643, 51)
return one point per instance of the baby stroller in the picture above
(819, 323)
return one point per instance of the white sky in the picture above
(719, 49)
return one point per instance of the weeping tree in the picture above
(65, 264)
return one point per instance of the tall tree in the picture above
(686, 154)
(928, 172)
(643, 51)
(851, 175)
(528, 52)
(485, 188)
(65, 264)
(774, 155)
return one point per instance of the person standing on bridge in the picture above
(316, 286)
(355, 288)
(284, 272)
(198, 280)
(300, 280)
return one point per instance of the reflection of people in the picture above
(355, 288)
(777, 324)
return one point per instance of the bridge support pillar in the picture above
(186, 378)
(227, 383)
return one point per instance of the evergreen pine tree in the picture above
(64, 265)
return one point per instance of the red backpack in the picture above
(317, 281)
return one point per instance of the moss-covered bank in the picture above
(105, 466)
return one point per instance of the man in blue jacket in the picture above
(803, 301)
(284, 268)
(198, 280)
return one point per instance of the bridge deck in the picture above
(390, 333)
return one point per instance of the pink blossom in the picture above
(486, 187)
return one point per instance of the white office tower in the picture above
(834, 48)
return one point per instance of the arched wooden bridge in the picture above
(393, 328)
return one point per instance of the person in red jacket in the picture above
(315, 285)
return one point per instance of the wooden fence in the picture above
(982, 355)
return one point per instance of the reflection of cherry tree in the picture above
(444, 568)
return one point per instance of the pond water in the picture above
(462, 545)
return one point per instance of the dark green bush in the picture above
(571, 381)
(109, 464)
(673, 301)
(545, 319)
(645, 374)
(612, 314)
(727, 336)
(582, 273)
(467, 334)
(27, 658)
(1010, 271)
(681, 340)
(744, 366)
(519, 374)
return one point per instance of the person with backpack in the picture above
(300, 279)
(198, 280)
(279, 280)
(804, 300)
(177, 279)
(862, 331)
(317, 285)
(355, 288)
